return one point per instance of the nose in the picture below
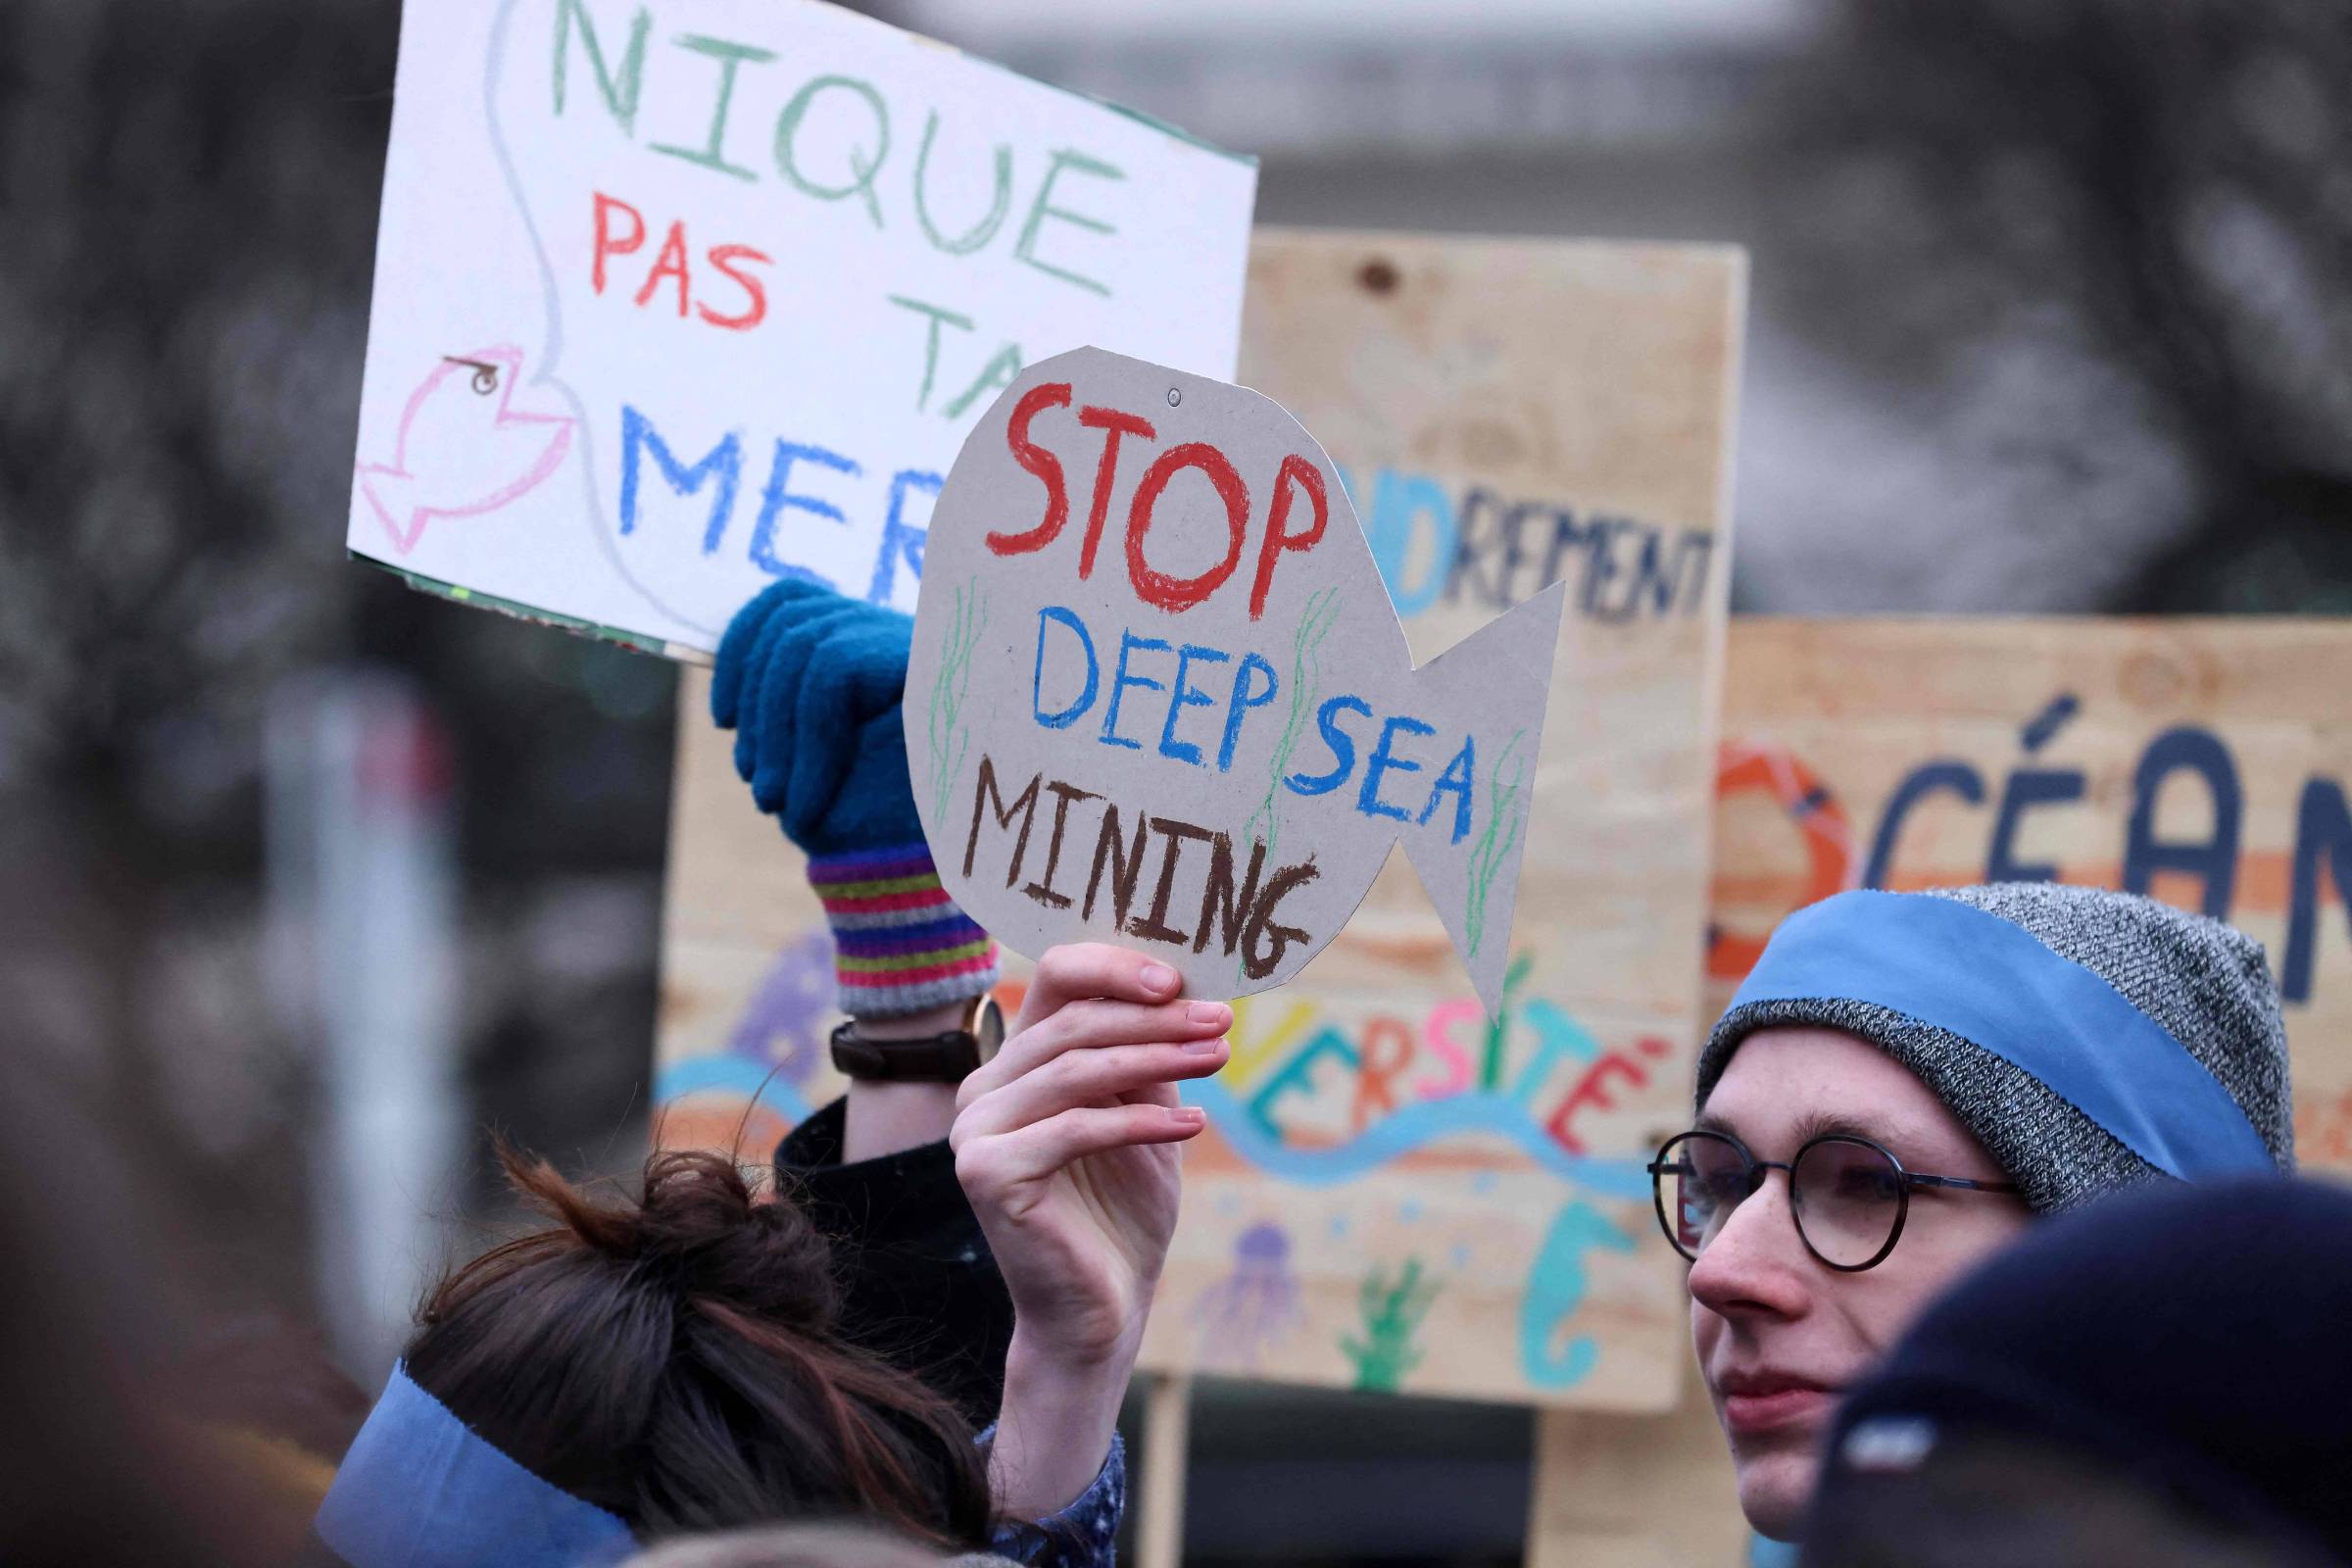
(1755, 1267)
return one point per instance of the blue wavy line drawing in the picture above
(756, 1081)
(1426, 1121)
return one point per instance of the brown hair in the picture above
(676, 1361)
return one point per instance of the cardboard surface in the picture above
(673, 299)
(1174, 709)
(1397, 1193)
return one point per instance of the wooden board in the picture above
(2068, 731)
(1635, 1492)
(2203, 761)
(1396, 1192)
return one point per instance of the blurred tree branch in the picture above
(182, 307)
(2171, 179)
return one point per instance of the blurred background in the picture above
(307, 879)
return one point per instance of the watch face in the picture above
(988, 1027)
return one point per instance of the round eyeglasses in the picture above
(1848, 1196)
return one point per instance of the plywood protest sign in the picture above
(1237, 582)
(2202, 762)
(1400, 1192)
(672, 300)
(1399, 1189)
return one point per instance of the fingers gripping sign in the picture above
(1094, 969)
(1066, 1144)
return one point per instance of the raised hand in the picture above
(1068, 1145)
(810, 681)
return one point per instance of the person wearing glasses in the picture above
(1904, 1083)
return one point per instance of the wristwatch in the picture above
(941, 1058)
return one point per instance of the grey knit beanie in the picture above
(2090, 1040)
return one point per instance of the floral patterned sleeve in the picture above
(1084, 1535)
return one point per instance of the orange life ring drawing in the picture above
(1743, 765)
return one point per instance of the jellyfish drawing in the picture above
(1253, 1309)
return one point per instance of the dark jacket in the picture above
(919, 1285)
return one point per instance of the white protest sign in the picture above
(1159, 695)
(676, 299)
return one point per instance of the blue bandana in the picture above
(419, 1489)
(1993, 984)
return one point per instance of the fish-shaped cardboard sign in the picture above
(1159, 695)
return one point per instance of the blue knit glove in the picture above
(810, 682)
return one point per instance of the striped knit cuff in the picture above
(900, 944)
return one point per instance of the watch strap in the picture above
(941, 1058)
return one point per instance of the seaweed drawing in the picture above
(1306, 674)
(949, 737)
(1392, 1310)
(1497, 839)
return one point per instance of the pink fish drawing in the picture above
(463, 451)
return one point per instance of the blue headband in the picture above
(419, 1489)
(1995, 985)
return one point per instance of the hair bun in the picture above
(701, 1224)
(674, 1355)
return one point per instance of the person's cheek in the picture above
(1926, 1265)
(1889, 1299)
